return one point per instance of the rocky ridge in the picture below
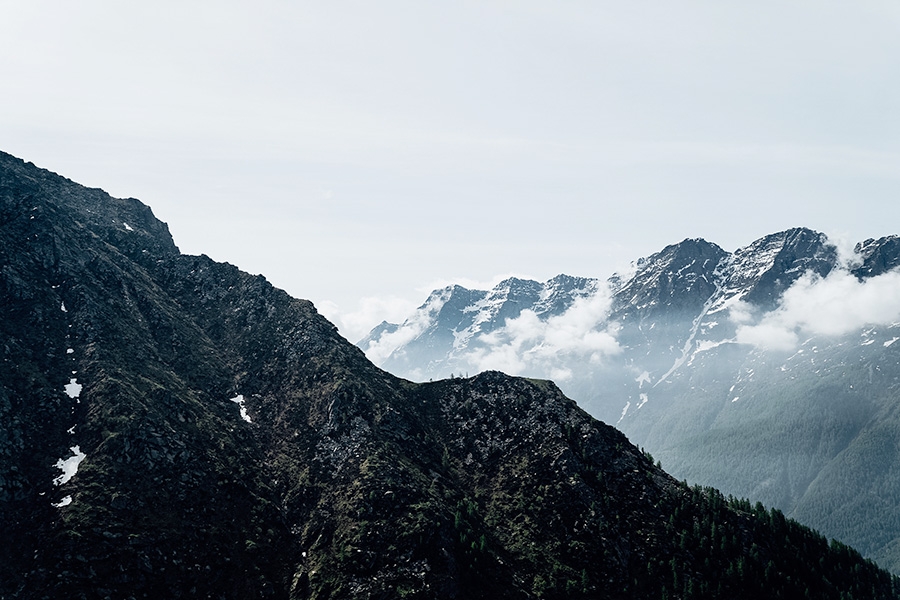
(219, 439)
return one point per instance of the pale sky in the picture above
(359, 154)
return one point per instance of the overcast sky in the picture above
(361, 153)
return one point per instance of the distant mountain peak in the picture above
(767, 267)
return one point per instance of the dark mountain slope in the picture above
(218, 439)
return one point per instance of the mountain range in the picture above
(769, 372)
(172, 427)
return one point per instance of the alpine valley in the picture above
(172, 427)
(769, 373)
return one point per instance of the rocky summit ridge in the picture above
(173, 427)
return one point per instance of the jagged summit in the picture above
(452, 318)
(683, 280)
(878, 256)
(680, 253)
(681, 273)
(761, 272)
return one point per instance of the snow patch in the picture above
(62, 307)
(379, 350)
(69, 466)
(891, 341)
(643, 378)
(70, 351)
(643, 400)
(127, 226)
(706, 345)
(73, 388)
(64, 502)
(624, 411)
(239, 400)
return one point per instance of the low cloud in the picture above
(529, 345)
(380, 349)
(370, 311)
(834, 305)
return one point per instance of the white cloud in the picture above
(371, 310)
(845, 246)
(561, 374)
(379, 350)
(768, 335)
(834, 305)
(529, 345)
(503, 357)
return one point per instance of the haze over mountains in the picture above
(174, 427)
(769, 372)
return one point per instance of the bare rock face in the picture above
(173, 427)
(879, 256)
